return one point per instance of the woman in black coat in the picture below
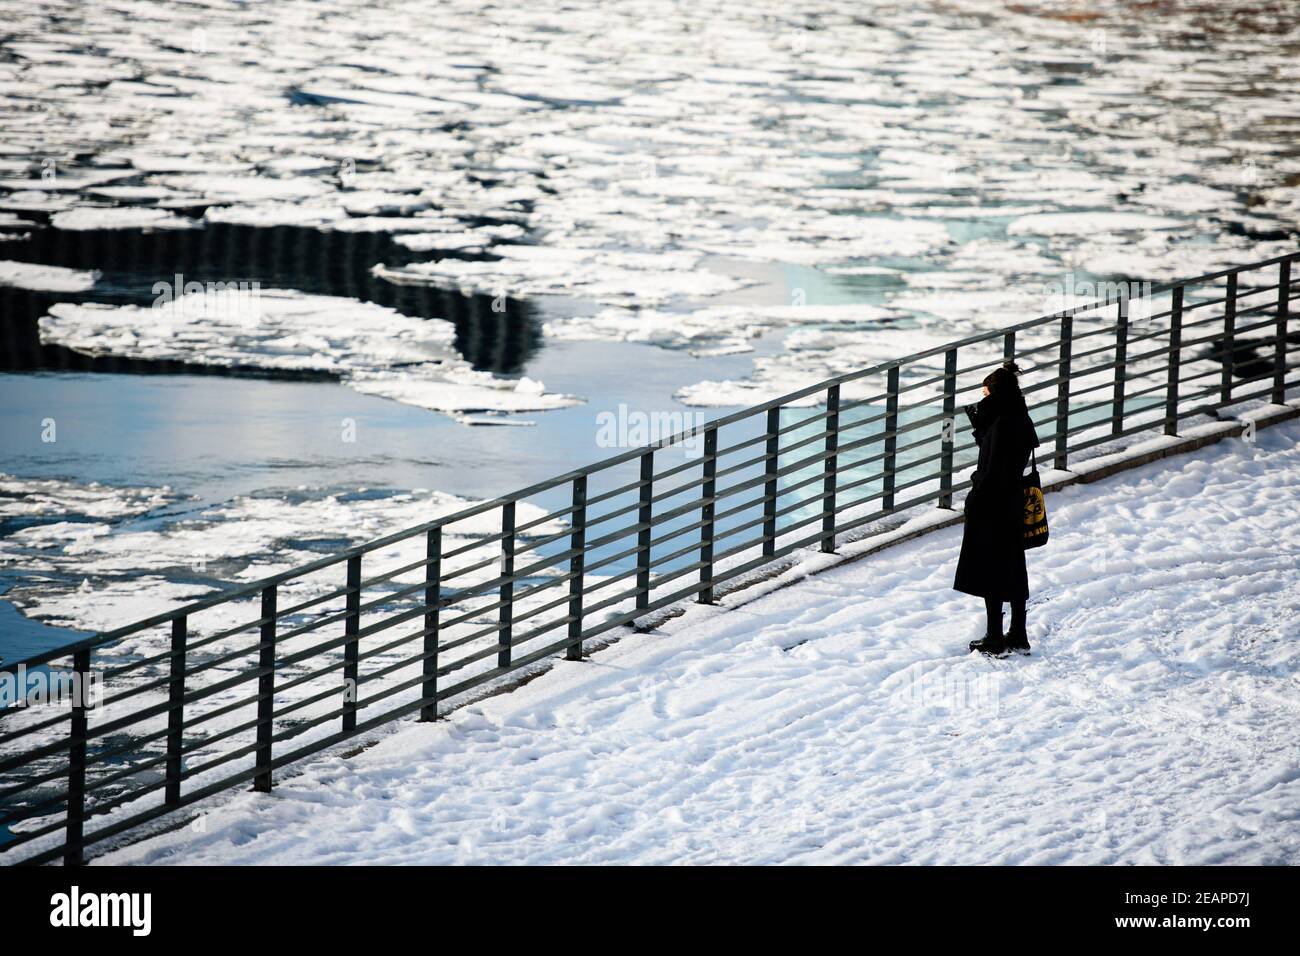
(992, 562)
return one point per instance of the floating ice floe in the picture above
(813, 355)
(1084, 224)
(35, 202)
(373, 349)
(1162, 261)
(456, 238)
(118, 217)
(40, 278)
(273, 213)
(221, 188)
(607, 276)
(82, 180)
(461, 389)
(49, 497)
(711, 330)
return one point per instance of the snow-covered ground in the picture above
(840, 720)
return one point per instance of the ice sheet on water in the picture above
(374, 349)
(1162, 261)
(814, 355)
(86, 218)
(277, 213)
(605, 276)
(459, 390)
(1090, 223)
(40, 278)
(708, 330)
(50, 497)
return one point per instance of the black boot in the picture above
(1017, 638)
(992, 642)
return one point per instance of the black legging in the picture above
(993, 606)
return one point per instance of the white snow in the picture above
(840, 720)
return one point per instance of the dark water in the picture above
(23, 636)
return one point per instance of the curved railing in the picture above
(162, 713)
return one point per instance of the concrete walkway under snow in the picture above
(841, 720)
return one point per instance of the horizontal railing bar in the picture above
(494, 628)
(190, 646)
(26, 836)
(8, 815)
(62, 716)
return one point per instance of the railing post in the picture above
(432, 598)
(643, 517)
(578, 544)
(1175, 351)
(265, 691)
(769, 486)
(175, 710)
(707, 491)
(891, 436)
(1121, 366)
(505, 614)
(1229, 333)
(829, 472)
(351, 651)
(74, 846)
(1063, 393)
(948, 436)
(1009, 346)
(1283, 307)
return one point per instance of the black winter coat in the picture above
(992, 562)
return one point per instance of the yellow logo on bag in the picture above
(1035, 509)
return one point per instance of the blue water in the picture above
(21, 636)
(214, 437)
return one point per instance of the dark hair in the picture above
(1003, 379)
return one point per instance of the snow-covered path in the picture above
(840, 720)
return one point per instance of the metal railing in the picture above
(225, 691)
